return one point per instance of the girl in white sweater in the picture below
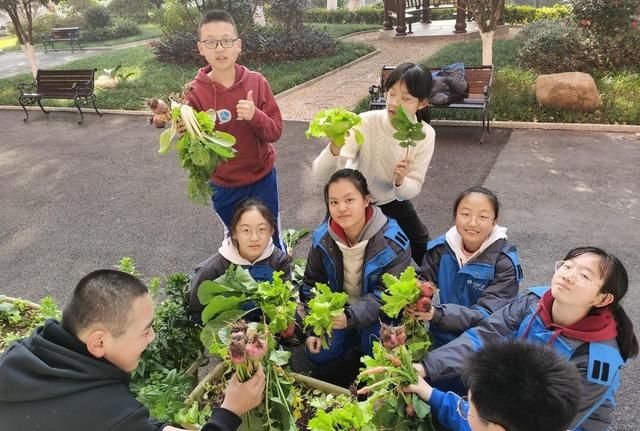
(394, 176)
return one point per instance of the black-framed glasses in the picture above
(213, 43)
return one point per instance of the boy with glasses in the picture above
(245, 108)
(503, 397)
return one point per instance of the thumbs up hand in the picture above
(246, 108)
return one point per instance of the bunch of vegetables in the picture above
(323, 307)
(335, 124)
(247, 347)
(225, 296)
(407, 130)
(350, 416)
(244, 346)
(409, 291)
(200, 149)
(386, 373)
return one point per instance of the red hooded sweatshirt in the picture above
(255, 152)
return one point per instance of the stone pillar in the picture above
(461, 13)
(332, 4)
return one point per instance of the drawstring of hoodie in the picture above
(557, 331)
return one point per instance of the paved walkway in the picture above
(15, 62)
(346, 87)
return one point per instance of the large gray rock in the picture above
(570, 90)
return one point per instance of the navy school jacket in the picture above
(471, 293)
(387, 251)
(599, 363)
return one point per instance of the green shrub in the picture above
(124, 27)
(259, 45)
(275, 44)
(550, 46)
(605, 16)
(178, 48)
(516, 14)
(287, 13)
(43, 24)
(121, 28)
(365, 15)
(97, 17)
(136, 10)
(174, 17)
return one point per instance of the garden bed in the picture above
(513, 92)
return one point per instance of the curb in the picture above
(331, 72)
(574, 127)
(515, 125)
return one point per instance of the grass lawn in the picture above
(154, 79)
(147, 31)
(338, 30)
(513, 94)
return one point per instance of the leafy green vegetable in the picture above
(386, 373)
(277, 300)
(351, 416)
(407, 131)
(19, 317)
(292, 236)
(200, 149)
(335, 124)
(402, 291)
(323, 307)
(163, 392)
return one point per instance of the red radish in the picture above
(428, 289)
(392, 336)
(364, 391)
(256, 350)
(157, 106)
(410, 410)
(394, 360)
(237, 352)
(288, 333)
(423, 304)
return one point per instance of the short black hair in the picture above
(217, 15)
(103, 296)
(523, 386)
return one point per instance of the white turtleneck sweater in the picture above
(455, 242)
(377, 158)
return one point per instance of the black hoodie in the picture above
(49, 381)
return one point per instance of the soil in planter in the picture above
(215, 395)
(17, 320)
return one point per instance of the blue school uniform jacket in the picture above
(387, 251)
(599, 363)
(471, 293)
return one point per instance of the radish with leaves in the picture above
(200, 149)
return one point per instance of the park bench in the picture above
(410, 11)
(59, 84)
(478, 95)
(66, 34)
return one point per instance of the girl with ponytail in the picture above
(580, 315)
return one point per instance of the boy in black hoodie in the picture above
(75, 375)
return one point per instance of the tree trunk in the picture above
(487, 47)
(30, 52)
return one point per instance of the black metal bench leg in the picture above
(25, 109)
(75, 102)
(93, 102)
(41, 107)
